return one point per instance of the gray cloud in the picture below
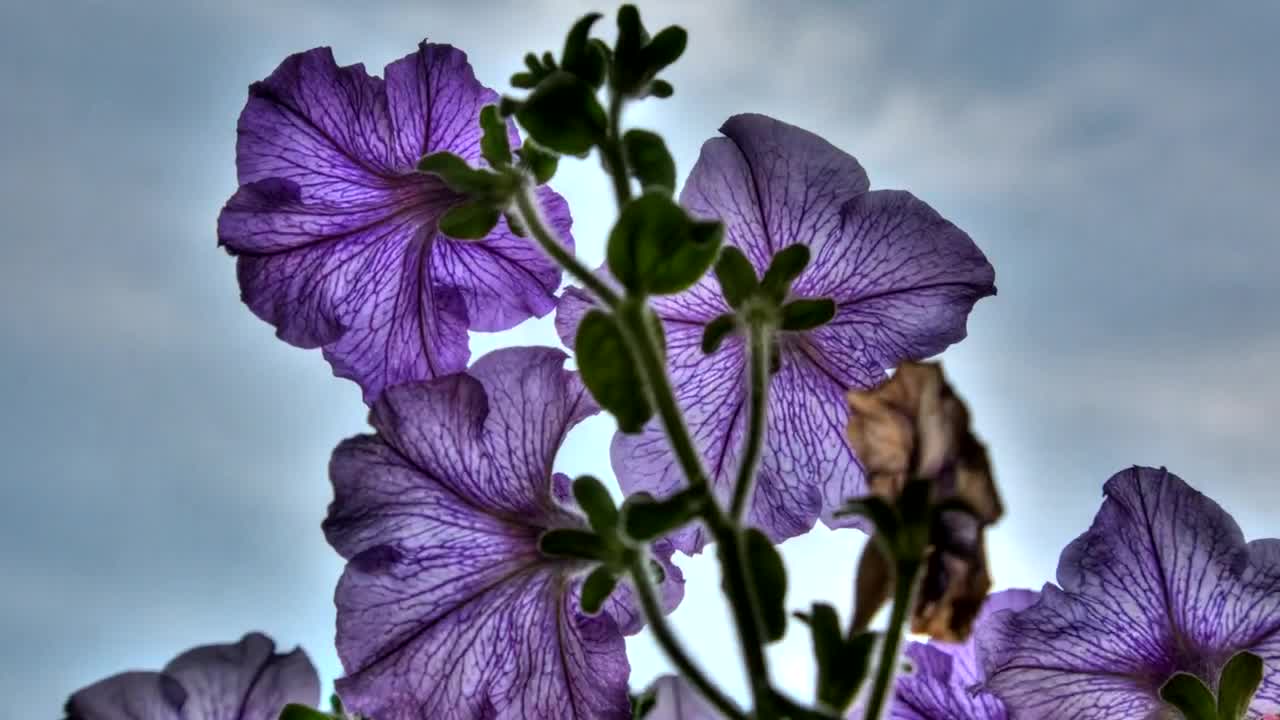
(166, 455)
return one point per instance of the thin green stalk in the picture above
(615, 162)
(903, 596)
(532, 218)
(671, 645)
(757, 415)
(746, 613)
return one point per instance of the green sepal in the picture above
(538, 160)
(627, 69)
(807, 314)
(784, 268)
(470, 220)
(842, 662)
(737, 276)
(574, 543)
(563, 114)
(508, 106)
(460, 177)
(649, 160)
(596, 504)
(645, 518)
(609, 371)
(768, 582)
(524, 80)
(1236, 686)
(596, 589)
(581, 56)
(294, 711)
(716, 331)
(1188, 694)
(655, 247)
(335, 705)
(884, 518)
(514, 224)
(643, 703)
(495, 146)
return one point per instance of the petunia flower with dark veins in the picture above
(945, 677)
(335, 231)
(447, 609)
(1163, 582)
(904, 280)
(241, 681)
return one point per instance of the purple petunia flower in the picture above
(904, 280)
(447, 609)
(243, 681)
(1162, 582)
(335, 230)
(943, 682)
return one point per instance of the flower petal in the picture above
(336, 230)
(942, 684)
(904, 280)
(773, 185)
(130, 695)
(676, 699)
(506, 279)
(446, 608)
(247, 680)
(1162, 582)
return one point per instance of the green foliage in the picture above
(649, 160)
(807, 314)
(655, 247)
(784, 268)
(768, 576)
(1188, 694)
(1239, 681)
(637, 58)
(609, 371)
(302, 712)
(596, 504)
(495, 146)
(539, 161)
(737, 276)
(646, 518)
(563, 114)
(597, 588)
(469, 221)
(716, 331)
(574, 543)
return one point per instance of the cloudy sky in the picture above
(164, 456)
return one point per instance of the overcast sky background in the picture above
(164, 455)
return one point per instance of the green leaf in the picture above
(524, 80)
(737, 276)
(535, 67)
(596, 503)
(1188, 694)
(665, 48)
(784, 268)
(458, 175)
(807, 314)
(1239, 681)
(508, 106)
(716, 331)
(335, 705)
(495, 146)
(563, 114)
(570, 542)
(768, 582)
(628, 62)
(596, 589)
(302, 712)
(645, 518)
(469, 221)
(849, 672)
(609, 371)
(539, 161)
(649, 160)
(661, 89)
(582, 57)
(657, 248)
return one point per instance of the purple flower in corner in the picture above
(1163, 582)
(335, 231)
(943, 684)
(447, 609)
(904, 280)
(243, 681)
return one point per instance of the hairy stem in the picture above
(886, 672)
(671, 645)
(757, 415)
(611, 154)
(551, 245)
(746, 613)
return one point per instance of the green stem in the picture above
(615, 162)
(746, 613)
(757, 415)
(532, 218)
(671, 645)
(903, 597)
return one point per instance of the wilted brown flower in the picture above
(915, 427)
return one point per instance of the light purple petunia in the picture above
(1162, 582)
(241, 681)
(943, 684)
(904, 280)
(335, 230)
(675, 699)
(447, 609)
